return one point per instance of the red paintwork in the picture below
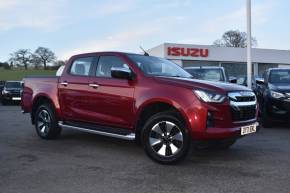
(118, 103)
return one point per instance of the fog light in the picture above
(278, 111)
(209, 120)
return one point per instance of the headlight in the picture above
(209, 97)
(277, 95)
(5, 92)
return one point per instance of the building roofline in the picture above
(207, 45)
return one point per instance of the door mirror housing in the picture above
(260, 81)
(233, 79)
(122, 73)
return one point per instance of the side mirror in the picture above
(121, 73)
(260, 81)
(233, 79)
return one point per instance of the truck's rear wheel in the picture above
(165, 138)
(45, 122)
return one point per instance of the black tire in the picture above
(45, 122)
(163, 145)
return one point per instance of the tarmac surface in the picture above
(81, 162)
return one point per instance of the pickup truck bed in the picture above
(36, 86)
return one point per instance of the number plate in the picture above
(16, 98)
(248, 129)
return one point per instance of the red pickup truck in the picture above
(139, 97)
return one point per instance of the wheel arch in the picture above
(150, 108)
(39, 100)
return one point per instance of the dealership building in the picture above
(232, 59)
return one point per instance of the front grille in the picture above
(243, 113)
(15, 93)
(243, 106)
(245, 98)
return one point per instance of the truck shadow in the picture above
(279, 126)
(131, 149)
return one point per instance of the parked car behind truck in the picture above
(2, 83)
(211, 73)
(273, 93)
(143, 98)
(11, 92)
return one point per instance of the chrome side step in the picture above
(129, 137)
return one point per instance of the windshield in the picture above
(13, 85)
(280, 76)
(207, 74)
(154, 66)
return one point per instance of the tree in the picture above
(5, 65)
(234, 38)
(35, 61)
(59, 63)
(44, 55)
(21, 57)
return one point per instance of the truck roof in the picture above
(204, 67)
(105, 52)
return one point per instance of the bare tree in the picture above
(45, 55)
(59, 63)
(35, 61)
(234, 38)
(21, 57)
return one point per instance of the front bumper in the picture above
(11, 97)
(278, 108)
(224, 122)
(216, 133)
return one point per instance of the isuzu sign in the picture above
(187, 52)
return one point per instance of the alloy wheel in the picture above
(166, 139)
(43, 122)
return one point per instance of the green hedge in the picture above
(20, 74)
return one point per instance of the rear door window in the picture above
(81, 66)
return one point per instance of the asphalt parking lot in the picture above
(80, 162)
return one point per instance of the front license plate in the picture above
(16, 98)
(248, 129)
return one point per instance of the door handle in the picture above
(64, 83)
(94, 85)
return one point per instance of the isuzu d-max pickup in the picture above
(139, 97)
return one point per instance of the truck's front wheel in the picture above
(165, 138)
(45, 122)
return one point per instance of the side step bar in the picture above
(129, 137)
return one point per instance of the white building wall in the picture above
(226, 54)
(157, 51)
